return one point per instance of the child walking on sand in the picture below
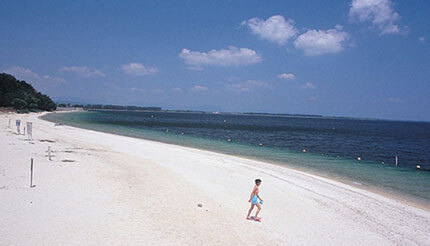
(253, 199)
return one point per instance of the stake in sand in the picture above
(31, 174)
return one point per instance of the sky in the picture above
(354, 58)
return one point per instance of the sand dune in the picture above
(104, 189)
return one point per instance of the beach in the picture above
(102, 188)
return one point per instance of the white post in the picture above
(9, 123)
(397, 161)
(18, 124)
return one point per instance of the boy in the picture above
(253, 199)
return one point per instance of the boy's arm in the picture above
(259, 197)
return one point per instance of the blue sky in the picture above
(360, 58)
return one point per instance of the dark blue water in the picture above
(332, 145)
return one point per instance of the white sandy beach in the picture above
(105, 189)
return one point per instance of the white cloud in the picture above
(379, 12)
(139, 90)
(176, 90)
(257, 83)
(247, 86)
(32, 77)
(50, 79)
(138, 69)
(422, 39)
(238, 88)
(199, 88)
(21, 73)
(275, 29)
(158, 91)
(225, 57)
(288, 76)
(308, 86)
(319, 42)
(83, 71)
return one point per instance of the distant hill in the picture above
(22, 96)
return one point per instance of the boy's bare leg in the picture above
(250, 210)
(258, 211)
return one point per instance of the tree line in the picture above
(21, 96)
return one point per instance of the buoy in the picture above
(225, 121)
(260, 144)
(418, 167)
(382, 162)
(359, 158)
(229, 140)
(304, 150)
(182, 133)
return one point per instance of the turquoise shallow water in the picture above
(241, 136)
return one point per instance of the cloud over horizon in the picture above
(232, 56)
(287, 76)
(176, 90)
(247, 86)
(199, 88)
(83, 71)
(379, 12)
(275, 29)
(158, 91)
(308, 86)
(138, 69)
(32, 77)
(319, 42)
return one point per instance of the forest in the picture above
(21, 96)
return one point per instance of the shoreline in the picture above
(111, 189)
(420, 203)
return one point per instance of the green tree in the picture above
(22, 96)
(18, 103)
